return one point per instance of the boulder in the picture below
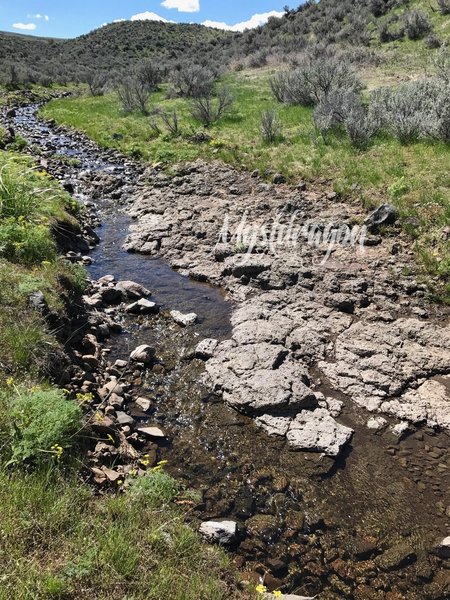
(143, 354)
(142, 307)
(317, 431)
(130, 290)
(144, 404)
(183, 319)
(386, 214)
(223, 533)
(125, 420)
(377, 423)
(401, 430)
(151, 432)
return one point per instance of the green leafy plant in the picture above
(42, 424)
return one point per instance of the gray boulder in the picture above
(143, 354)
(223, 533)
(182, 319)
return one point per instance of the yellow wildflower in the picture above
(58, 451)
(10, 381)
(261, 589)
(277, 594)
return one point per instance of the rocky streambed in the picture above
(311, 410)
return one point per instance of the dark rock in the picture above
(386, 214)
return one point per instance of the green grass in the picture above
(31, 204)
(414, 177)
(59, 540)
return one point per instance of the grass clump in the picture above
(31, 204)
(60, 540)
(37, 425)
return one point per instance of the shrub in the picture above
(378, 7)
(417, 25)
(433, 42)
(444, 6)
(155, 490)
(172, 122)
(133, 95)
(442, 65)
(406, 111)
(193, 81)
(42, 424)
(148, 74)
(96, 82)
(314, 81)
(208, 110)
(25, 242)
(271, 126)
(360, 127)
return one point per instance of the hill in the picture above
(370, 32)
(113, 48)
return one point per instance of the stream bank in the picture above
(357, 527)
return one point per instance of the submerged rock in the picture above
(183, 319)
(317, 431)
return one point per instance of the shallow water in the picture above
(169, 289)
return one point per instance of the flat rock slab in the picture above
(317, 431)
(151, 432)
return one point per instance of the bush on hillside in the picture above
(133, 95)
(314, 81)
(149, 75)
(344, 109)
(37, 425)
(193, 81)
(417, 25)
(444, 6)
(96, 82)
(415, 110)
(271, 126)
(209, 109)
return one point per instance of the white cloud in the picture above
(254, 21)
(149, 16)
(188, 6)
(39, 16)
(25, 26)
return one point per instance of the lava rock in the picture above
(386, 214)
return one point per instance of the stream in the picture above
(357, 528)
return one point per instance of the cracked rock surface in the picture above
(306, 314)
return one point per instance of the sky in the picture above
(56, 18)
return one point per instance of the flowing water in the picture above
(311, 514)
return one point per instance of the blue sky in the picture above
(56, 18)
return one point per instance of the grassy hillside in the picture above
(111, 49)
(373, 33)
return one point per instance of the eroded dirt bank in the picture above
(316, 350)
